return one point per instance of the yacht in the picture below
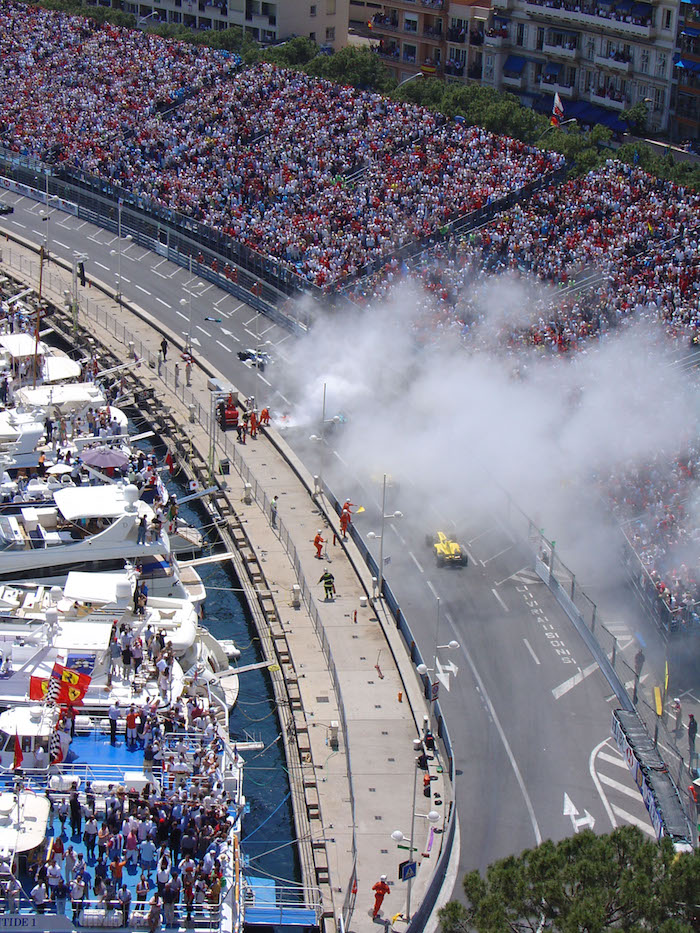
(86, 528)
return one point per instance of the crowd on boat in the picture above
(170, 837)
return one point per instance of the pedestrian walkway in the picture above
(363, 701)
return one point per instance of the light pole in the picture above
(373, 536)
(433, 817)
(318, 480)
(418, 74)
(119, 251)
(184, 301)
(553, 126)
(442, 671)
(47, 213)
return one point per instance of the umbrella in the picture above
(104, 457)
(58, 468)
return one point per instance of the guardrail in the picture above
(622, 674)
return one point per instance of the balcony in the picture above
(515, 82)
(561, 51)
(604, 61)
(576, 17)
(496, 42)
(431, 35)
(603, 101)
(563, 90)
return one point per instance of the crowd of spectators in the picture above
(323, 178)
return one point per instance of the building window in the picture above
(667, 19)
(488, 68)
(661, 64)
(312, 9)
(644, 61)
(659, 98)
(330, 34)
(410, 22)
(330, 7)
(312, 36)
(409, 53)
(521, 35)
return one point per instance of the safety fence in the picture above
(610, 649)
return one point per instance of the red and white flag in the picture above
(557, 111)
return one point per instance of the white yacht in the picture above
(24, 359)
(86, 528)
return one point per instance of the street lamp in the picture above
(553, 126)
(433, 817)
(184, 301)
(442, 671)
(371, 535)
(318, 480)
(128, 237)
(418, 74)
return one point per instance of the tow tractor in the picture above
(227, 414)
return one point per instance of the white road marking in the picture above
(184, 316)
(432, 589)
(174, 273)
(229, 334)
(204, 290)
(264, 380)
(109, 242)
(18, 224)
(635, 821)
(529, 648)
(202, 330)
(38, 233)
(159, 274)
(489, 559)
(142, 289)
(101, 265)
(159, 264)
(569, 684)
(62, 245)
(501, 733)
(164, 302)
(415, 560)
(335, 454)
(618, 786)
(501, 602)
(80, 226)
(613, 760)
(250, 332)
(124, 279)
(228, 349)
(481, 535)
(249, 320)
(470, 556)
(598, 786)
(402, 540)
(283, 397)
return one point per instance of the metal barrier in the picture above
(615, 665)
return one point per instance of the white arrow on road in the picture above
(576, 821)
(229, 334)
(443, 672)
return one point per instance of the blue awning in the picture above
(514, 64)
(552, 68)
(690, 31)
(506, 19)
(624, 6)
(641, 9)
(687, 64)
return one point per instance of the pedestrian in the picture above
(328, 581)
(143, 528)
(164, 349)
(381, 889)
(160, 362)
(125, 902)
(153, 918)
(39, 896)
(76, 814)
(344, 522)
(91, 831)
(69, 863)
(639, 660)
(692, 732)
(254, 424)
(77, 895)
(114, 716)
(273, 511)
(265, 417)
(177, 375)
(318, 543)
(61, 895)
(188, 371)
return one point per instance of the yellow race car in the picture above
(446, 550)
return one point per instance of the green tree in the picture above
(293, 54)
(583, 884)
(636, 117)
(358, 67)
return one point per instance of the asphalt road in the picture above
(529, 711)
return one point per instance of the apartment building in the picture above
(686, 92)
(267, 21)
(443, 38)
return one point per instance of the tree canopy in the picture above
(583, 884)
